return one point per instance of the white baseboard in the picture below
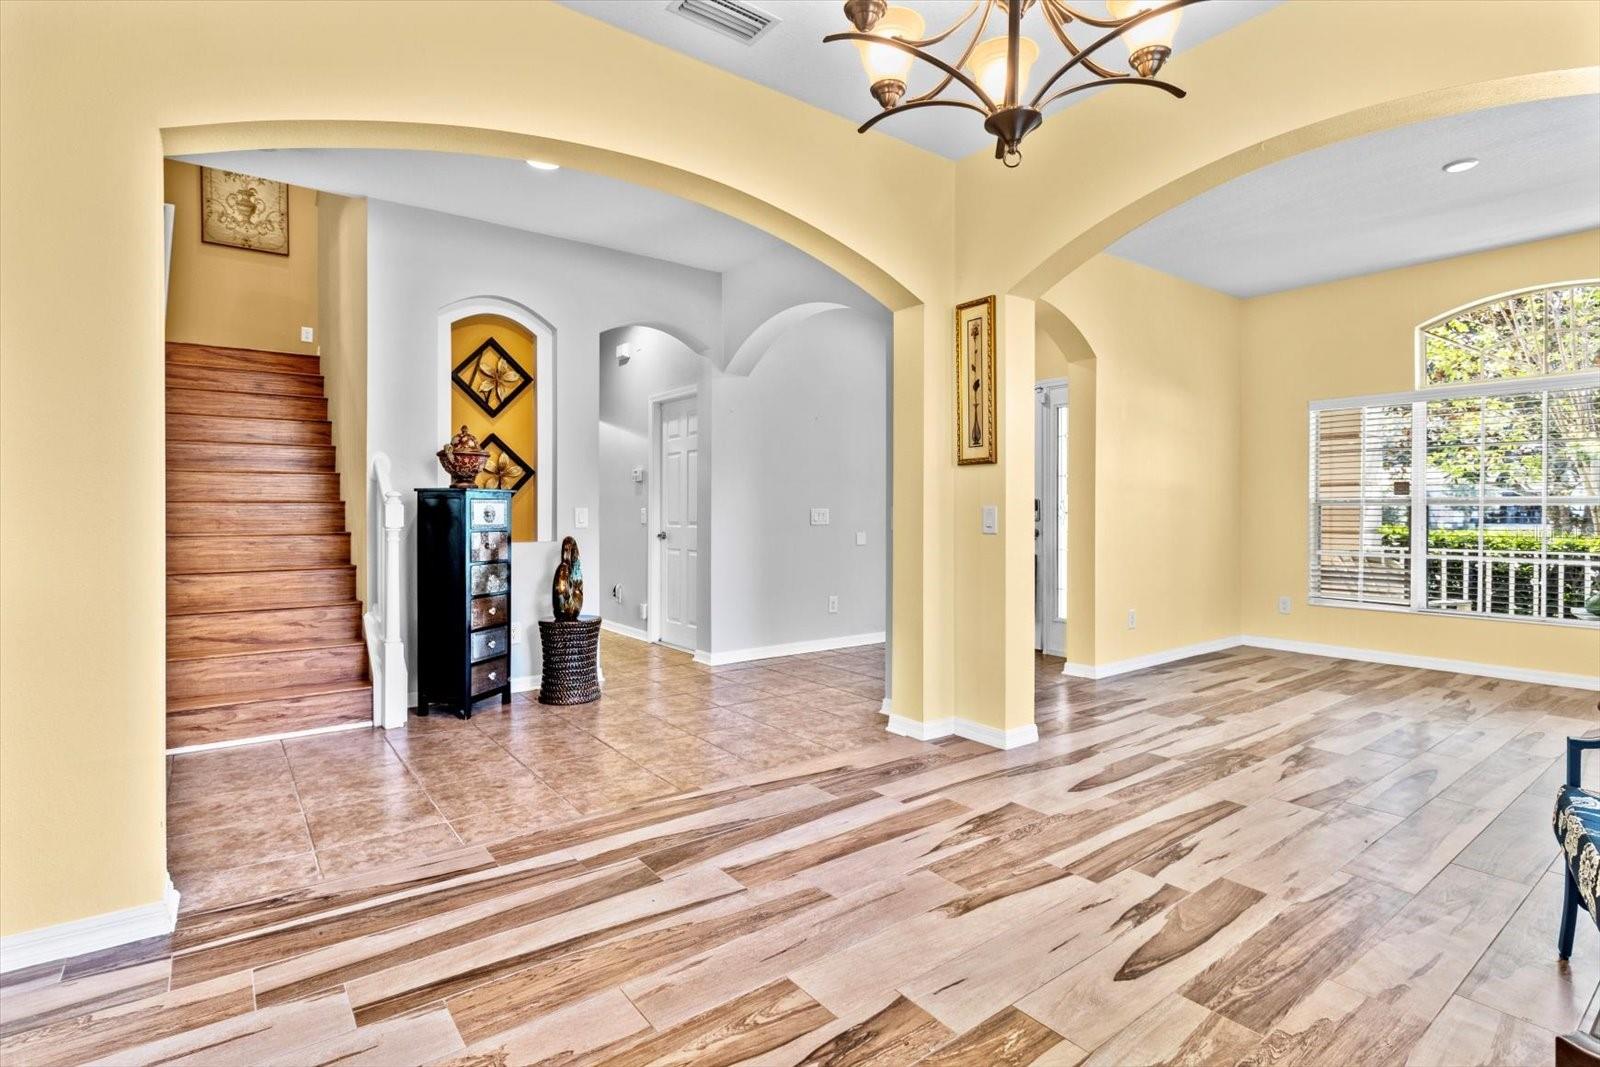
(1145, 662)
(365, 724)
(793, 648)
(1431, 663)
(97, 932)
(933, 729)
(886, 708)
(1311, 648)
(624, 631)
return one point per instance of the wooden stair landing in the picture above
(263, 625)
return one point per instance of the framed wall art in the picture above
(491, 377)
(242, 211)
(975, 383)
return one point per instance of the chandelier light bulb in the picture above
(1150, 42)
(887, 67)
(988, 66)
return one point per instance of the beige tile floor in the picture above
(283, 815)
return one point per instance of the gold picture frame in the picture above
(975, 383)
(243, 211)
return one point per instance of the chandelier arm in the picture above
(928, 42)
(1154, 83)
(895, 42)
(912, 105)
(1053, 16)
(959, 63)
(1087, 20)
(1122, 27)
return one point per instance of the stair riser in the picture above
(241, 358)
(239, 722)
(216, 429)
(190, 593)
(204, 455)
(245, 405)
(227, 486)
(265, 670)
(186, 519)
(248, 631)
(209, 555)
(243, 381)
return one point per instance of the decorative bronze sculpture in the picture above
(462, 458)
(566, 592)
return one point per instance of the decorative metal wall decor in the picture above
(504, 469)
(975, 383)
(890, 38)
(491, 377)
(242, 211)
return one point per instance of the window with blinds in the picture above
(1480, 493)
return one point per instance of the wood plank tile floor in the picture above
(1245, 858)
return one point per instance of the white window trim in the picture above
(1418, 399)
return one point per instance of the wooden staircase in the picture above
(263, 625)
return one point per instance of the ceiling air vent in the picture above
(739, 21)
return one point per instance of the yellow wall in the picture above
(517, 423)
(1351, 338)
(93, 94)
(342, 341)
(234, 296)
(1166, 455)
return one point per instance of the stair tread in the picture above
(170, 345)
(263, 650)
(262, 696)
(197, 387)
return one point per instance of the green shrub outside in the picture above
(1395, 535)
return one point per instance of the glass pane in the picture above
(1572, 568)
(1453, 557)
(1551, 331)
(1061, 512)
(1574, 442)
(1455, 434)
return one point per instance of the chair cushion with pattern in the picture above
(1577, 827)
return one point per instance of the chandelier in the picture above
(997, 69)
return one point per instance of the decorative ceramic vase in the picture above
(462, 458)
(566, 592)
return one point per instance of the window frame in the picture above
(1418, 400)
(1419, 359)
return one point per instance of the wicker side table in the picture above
(571, 660)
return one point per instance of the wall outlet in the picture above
(991, 519)
(616, 593)
(643, 612)
(580, 518)
(307, 334)
(1133, 619)
(819, 517)
(861, 537)
(833, 605)
(516, 633)
(1283, 605)
(644, 516)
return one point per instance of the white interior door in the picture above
(1050, 518)
(678, 538)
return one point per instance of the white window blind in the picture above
(1361, 504)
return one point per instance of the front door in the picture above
(1050, 518)
(679, 535)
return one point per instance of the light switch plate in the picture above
(861, 537)
(1283, 605)
(580, 518)
(991, 519)
(307, 334)
(819, 517)
(644, 516)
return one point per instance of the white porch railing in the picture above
(385, 643)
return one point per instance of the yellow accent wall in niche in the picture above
(517, 424)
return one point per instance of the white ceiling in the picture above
(562, 203)
(791, 58)
(1381, 201)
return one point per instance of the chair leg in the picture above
(1569, 918)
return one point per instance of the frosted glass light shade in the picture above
(987, 65)
(1158, 31)
(881, 62)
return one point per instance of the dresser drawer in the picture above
(491, 546)
(490, 578)
(488, 611)
(486, 643)
(489, 675)
(491, 514)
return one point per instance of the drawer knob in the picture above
(493, 610)
(492, 676)
(488, 514)
(491, 642)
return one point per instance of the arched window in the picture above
(1478, 494)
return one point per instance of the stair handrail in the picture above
(390, 691)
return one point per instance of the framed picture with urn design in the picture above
(975, 383)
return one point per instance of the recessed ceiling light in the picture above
(539, 164)
(1456, 166)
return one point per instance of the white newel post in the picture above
(394, 680)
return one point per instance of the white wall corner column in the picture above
(385, 624)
